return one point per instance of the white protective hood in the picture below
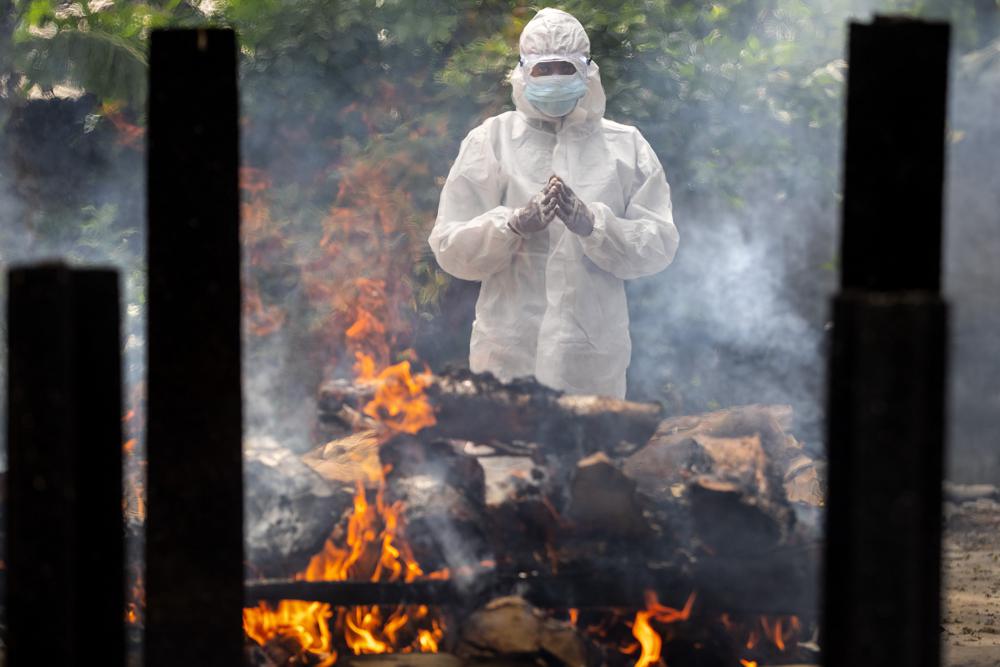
(552, 34)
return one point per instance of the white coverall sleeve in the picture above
(471, 239)
(644, 240)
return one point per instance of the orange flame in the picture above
(774, 633)
(136, 606)
(130, 135)
(365, 326)
(782, 632)
(368, 334)
(374, 551)
(649, 639)
(748, 663)
(261, 244)
(134, 497)
(400, 402)
(261, 319)
(429, 639)
(374, 548)
(254, 181)
(134, 502)
(305, 622)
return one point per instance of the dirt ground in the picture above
(971, 559)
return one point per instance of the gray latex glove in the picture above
(570, 208)
(535, 215)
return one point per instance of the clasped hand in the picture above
(555, 200)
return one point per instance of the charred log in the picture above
(733, 472)
(442, 495)
(347, 460)
(707, 499)
(710, 483)
(510, 626)
(403, 660)
(730, 519)
(290, 510)
(804, 481)
(478, 407)
(603, 501)
(688, 446)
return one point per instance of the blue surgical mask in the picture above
(555, 95)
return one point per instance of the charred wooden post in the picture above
(65, 551)
(194, 539)
(887, 366)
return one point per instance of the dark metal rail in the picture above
(766, 587)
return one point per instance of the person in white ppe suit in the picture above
(552, 207)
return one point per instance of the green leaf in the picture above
(39, 11)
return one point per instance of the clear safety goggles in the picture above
(579, 62)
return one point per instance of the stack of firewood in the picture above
(520, 478)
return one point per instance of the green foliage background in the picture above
(742, 100)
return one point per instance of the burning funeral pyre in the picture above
(455, 515)
(530, 524)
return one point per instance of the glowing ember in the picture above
(748, 663)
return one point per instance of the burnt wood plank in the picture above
(477, 406)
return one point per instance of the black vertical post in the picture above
(65, 532)
(194, 529)
(886, 406)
